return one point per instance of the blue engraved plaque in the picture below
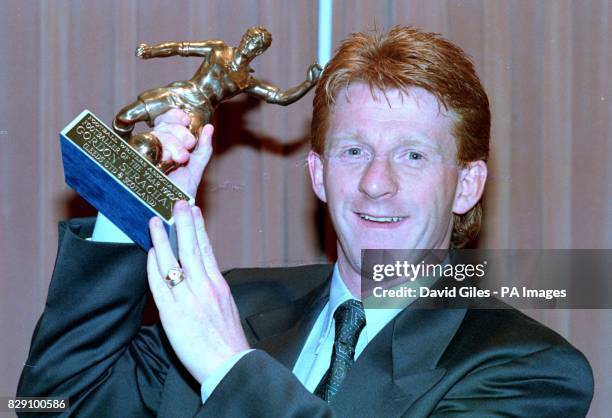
(116, 180)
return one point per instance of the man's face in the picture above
(389, 174)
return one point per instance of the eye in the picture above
(409, 157)
(354, 154)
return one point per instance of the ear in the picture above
(315, 167)
(470, 186)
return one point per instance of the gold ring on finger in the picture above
(174, 277)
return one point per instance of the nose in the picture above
(378, 179)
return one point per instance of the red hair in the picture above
(406, 57)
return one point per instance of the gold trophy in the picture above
(224, 73)
(126, 182)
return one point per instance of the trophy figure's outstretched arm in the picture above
(273, 94)
(184, 49)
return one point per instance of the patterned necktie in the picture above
(350, 320)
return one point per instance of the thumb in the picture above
(200, 156)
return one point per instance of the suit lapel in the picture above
(282, 332)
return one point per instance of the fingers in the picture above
(206, 250)
(161, 292)
(173, 148)
(200, 156)
(184, 135)
(174, 116)
(176, 142)
(195, 251)
(188, 248)
(176, 139)
(164, 257)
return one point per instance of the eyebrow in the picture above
(350, 135)
(358, 136)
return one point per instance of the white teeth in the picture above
(383, 219)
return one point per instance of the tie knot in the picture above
(350, 320)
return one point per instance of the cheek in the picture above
(434, 191)
(339, 184)
(336, 194)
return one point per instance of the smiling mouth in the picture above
(381, 219)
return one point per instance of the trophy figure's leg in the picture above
(146, 144)
(127, 117)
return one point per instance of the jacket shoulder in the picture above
(510, 353)
(493, 337)
(508, 326)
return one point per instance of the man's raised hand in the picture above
(178, 146)
(198, 314)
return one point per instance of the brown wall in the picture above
(545, 65)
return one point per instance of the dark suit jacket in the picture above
(89, 346)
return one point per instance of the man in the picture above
(400, 141)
